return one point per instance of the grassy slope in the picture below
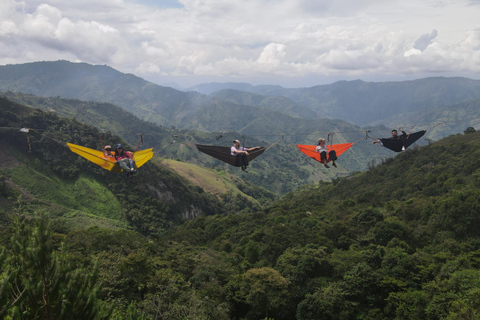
(78, 203)
(210, 181)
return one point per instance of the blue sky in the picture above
(158, 3)
(293, 43)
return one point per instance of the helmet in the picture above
(119, 145)
(108, 147)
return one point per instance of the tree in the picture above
(43, 283)
(327, 303)
(263, 289)
(469, 130)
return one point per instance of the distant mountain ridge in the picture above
(211, 87)
(358, 102)
(368, 103)
(99, 83)
(275, 103)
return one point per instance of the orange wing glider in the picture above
(310, 150)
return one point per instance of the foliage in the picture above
(38, 280)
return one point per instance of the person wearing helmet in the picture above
(124, 159)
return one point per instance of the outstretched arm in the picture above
(236, 151)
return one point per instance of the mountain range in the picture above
(368, 103)
(357, 102)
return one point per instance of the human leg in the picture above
(132, 165)
(242, 161)
(332, 155)
(323, 158)
(124, 164)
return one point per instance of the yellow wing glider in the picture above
(107, 162)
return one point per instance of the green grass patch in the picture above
(208, 180)
(82, 194)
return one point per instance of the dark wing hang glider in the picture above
(403, 142)
(223, 153)
(310, 150)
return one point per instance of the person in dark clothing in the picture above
(394, 136)
(241, 153)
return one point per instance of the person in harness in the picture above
(323, 150)
(124, 159)
(241, 154)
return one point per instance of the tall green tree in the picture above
(40, 282)
(264, 290)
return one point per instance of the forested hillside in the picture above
(399, 241)
(83, 81)
(280, 104)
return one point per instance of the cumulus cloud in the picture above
(273, 54)
(246, 39)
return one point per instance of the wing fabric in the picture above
(403, 142)
(310, 150)
(108, 163)
(94, 156)
(142, 156)
(223, 153)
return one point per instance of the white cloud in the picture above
(248, 39)
(412, 52)
(273, 54)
